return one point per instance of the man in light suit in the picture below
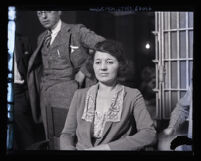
(57, 67)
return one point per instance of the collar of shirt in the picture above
(55, 31)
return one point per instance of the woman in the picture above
(108, 115)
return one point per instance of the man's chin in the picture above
(46, 26)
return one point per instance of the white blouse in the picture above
(99, 119)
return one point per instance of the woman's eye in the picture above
(97, 62)
(110, 62)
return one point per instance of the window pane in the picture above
(167, 76)
(174, 75)
(10, 63)
(165, 19)
(182, 74)
(173, 20)
(190, 45)
(10, 92)
(10, 107)
(190, 19)
(182, 46)
(167, 104)
(10, 75)
(182, 19)
(166, 46)
(10, 116)
(190, 70)
(173, 44)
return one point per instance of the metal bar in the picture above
(180, 59)
(178, 52)
(179, 29)
(155, 60)
(155, 90)
(162, 65)
(156, 33)
(169, 57)
(174, 89)
(159, 57)
(156, 46)
(158, 98)
(187, 53)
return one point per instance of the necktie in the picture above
(47, 39)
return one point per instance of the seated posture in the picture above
(108, 115)
(182, 112)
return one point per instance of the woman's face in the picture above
(105, 67)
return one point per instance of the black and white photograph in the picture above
(100, 79)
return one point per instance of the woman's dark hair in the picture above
(115, 49)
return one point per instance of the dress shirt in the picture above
(55, 31)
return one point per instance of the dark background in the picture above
(133, 30)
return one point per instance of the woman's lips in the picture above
(103, 74)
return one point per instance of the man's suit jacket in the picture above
(77, 38)
(23, 52)
(134, 131)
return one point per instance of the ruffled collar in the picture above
(115, 110)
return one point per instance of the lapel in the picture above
(88, 113)
(62, 37)
(108, 125)
(32, 59)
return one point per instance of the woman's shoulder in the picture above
(82, 91)
(132, 90)
(132, 93)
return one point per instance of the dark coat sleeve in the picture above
(23, 52)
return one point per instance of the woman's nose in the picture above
(103, 66)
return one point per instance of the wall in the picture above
(132, 30)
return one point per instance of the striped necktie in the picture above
(47, 39)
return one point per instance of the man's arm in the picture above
(88, 37)
(79, 77)
(180, 113)
(84, 40)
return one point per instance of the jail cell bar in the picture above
(173, 59)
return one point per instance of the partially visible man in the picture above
(58, 66)
(24, 127)
(181, 113)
